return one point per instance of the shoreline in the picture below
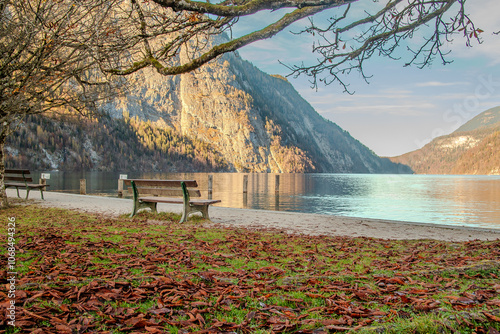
(288, 222)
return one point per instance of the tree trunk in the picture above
(3, 194)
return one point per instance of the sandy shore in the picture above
(311, 224)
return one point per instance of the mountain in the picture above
(226, 116)
(474, 148)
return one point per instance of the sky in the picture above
(401, 108)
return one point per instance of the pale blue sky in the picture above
(402, 108)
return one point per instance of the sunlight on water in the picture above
(453, 200)
(434, 199)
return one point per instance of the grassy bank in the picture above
(81, 273)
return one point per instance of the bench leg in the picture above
(41, 194)
(204, 211)
(185, 214)
(194, 208)
(17, 189)
(140, 205)
(27, 193)
(134, 209)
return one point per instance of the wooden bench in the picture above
(19, 179)
(148, 193)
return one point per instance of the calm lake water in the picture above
(433, 199)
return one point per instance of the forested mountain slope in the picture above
(474, 148)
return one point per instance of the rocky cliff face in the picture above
(474, 148)
(257, 122)
(227, 115)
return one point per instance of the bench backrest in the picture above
(17, 175)
(165, 188)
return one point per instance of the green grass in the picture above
(188, 277)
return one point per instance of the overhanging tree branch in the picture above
(383, 34)
(47, 60)
(344, 44)
(216, 51)
(230, 9)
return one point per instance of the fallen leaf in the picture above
(491, 317)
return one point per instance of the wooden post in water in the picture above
(121, 191)
(43, 181)
(277, 192)
(245, 184)
(245, 191)
(210, 185)
(83, 187)
(120, 188)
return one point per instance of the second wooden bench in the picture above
(148, 193)
(19, 179)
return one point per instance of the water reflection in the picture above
(454, 200)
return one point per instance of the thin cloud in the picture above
(440, 84)
(412, 110)
(399, 92)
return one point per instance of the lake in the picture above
(435, 199)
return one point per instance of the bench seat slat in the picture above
(161, 183)
(16, 171)
(29, 185)
(17, 178)
(161, 199)
(204, 201)
(35, 185)
(15, 184)
(166, 192)
(178, 200)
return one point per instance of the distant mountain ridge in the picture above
(489, 118)
(226, 116)
(474, 148)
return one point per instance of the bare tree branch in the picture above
(47, 61)
(232, 9)
(169, 28)
(383, 34)
(230, 46)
